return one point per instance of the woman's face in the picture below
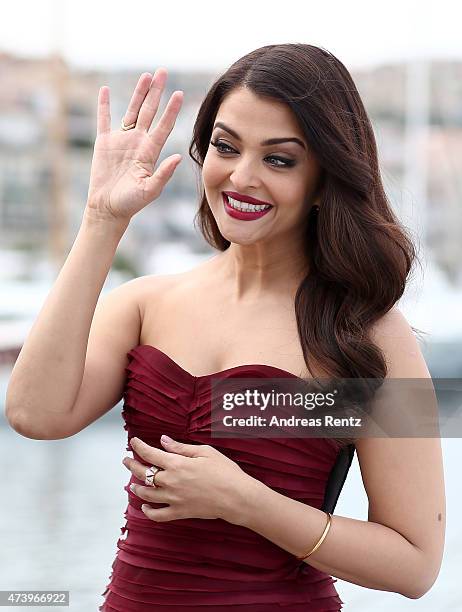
(284, 175)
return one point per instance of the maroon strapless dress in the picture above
(208, 565)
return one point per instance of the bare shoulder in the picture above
(154, 289)
(399, 345)
(152, 286)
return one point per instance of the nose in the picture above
(245, 175)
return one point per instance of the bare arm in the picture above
(48, 372)
(58, 364)
(400, 547)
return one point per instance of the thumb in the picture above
(188, 450)
(155, 183)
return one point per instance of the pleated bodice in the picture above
(197, 564)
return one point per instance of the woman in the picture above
(304, 285)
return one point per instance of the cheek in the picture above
(289, 193)
(212, 171)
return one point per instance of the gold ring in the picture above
(150, 475)
(127, 127)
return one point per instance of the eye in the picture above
(225, 149)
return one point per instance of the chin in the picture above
(241, 238)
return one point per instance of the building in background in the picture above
(30, 97)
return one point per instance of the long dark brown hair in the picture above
(359, 254)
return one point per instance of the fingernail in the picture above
(166, 439)
(132, 488)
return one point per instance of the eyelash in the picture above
(288, 163)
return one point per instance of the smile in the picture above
(243, 210)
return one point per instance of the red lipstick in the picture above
(242, 215)
(244, 198)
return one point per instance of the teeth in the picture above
(245, 206)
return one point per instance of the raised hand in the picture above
(123, 177)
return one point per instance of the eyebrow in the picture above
(270, 141)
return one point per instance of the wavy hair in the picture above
(359, 254)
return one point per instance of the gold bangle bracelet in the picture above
(321, 539)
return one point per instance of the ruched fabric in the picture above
(208, 565)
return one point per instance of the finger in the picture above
(103, 114)
(187, 450)
(159, 515)
(155, 183)
(139, 470)
(150, 494)
(138, 96)
(166, 123)
(150, 104)
(155, 456)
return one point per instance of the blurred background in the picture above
(64, 500)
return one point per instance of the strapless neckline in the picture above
(211, 564)
(245, 366)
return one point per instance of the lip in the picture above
(244, 198)
(242, 216)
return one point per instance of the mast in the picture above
(415, 213)
(58, 139)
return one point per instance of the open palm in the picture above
(122, 179)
